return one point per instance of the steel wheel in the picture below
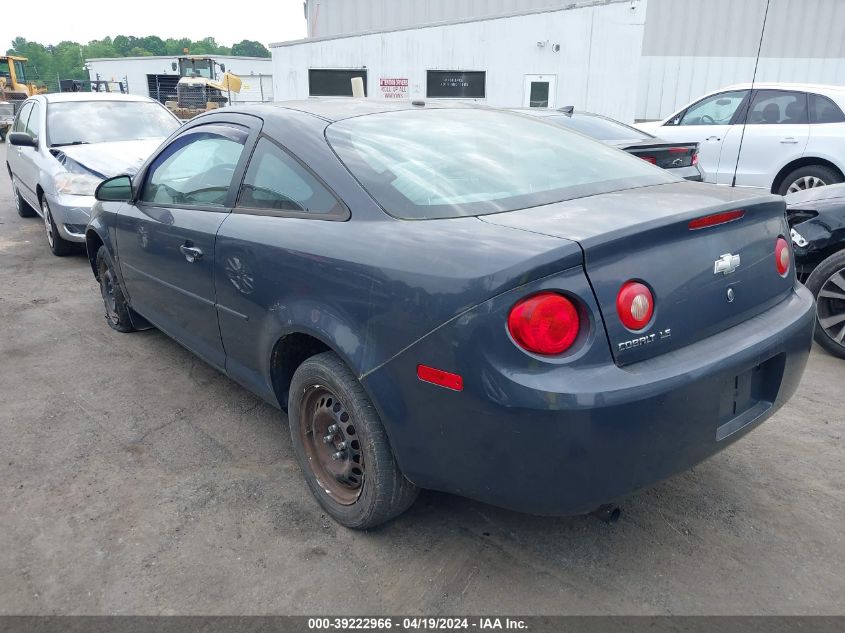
(48, 223)
(328, 435)
(806, 182)
(107, 291)
(831, 307)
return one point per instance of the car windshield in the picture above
(440, 163)
(78, 122)
(600, 128)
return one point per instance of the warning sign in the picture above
(394, 88)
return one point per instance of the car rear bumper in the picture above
(71, 214)
(561, 443)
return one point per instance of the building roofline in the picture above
(585, 4)
(170, 57)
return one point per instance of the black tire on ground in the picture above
(59, 246)
(22, 206)
(809, 176)
(366, 487)
(114, 301)
(827, 283)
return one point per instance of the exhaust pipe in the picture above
(608, 513)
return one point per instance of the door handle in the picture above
(712, 139)
(789, 140)
(191, 253)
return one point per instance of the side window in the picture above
(276, 180)
(33, 125)
(778, 107)
(714, 110)
(824, 110)
(196, 169)
(23, 116)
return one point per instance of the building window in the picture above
(333, 83)
(456, 84)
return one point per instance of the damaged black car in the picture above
(817, 224)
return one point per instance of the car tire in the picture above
(363, 487)
(22, 206)
(58, 245)
(114, 301)
(807, 178)
(827, 283)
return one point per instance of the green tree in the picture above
(250, 48)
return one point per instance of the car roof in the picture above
(774, 85)
(338, 108)
(60, 97)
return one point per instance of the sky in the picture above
(263, 20)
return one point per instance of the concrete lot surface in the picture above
(136, 479)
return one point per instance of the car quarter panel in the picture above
(594, 431)
(368, 289)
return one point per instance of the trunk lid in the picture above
(644, 235)
(663, 154)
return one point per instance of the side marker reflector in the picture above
(440, 378)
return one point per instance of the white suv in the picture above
(794, 135)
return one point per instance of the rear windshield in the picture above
(76, 122)
(599, 128)
(442, 163)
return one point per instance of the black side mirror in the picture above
(173, 65)
(223, 68)
(117, 189)
(22, 139)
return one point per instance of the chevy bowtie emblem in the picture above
(726, 264)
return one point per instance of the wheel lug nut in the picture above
(338, 455)
(341, 446)
(328, 439)
(334, 428)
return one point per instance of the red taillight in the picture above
(695, 158)
(634, 305)
(440, 377)
(715, 219)
(649, 159)
(547, 323)
(783, 257)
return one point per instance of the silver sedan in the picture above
(63, 145)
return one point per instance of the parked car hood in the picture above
(106, 159)
(816, 194)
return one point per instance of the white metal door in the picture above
(539, 91)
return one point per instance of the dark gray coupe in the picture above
(458, 298)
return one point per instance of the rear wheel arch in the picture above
(804, 161)
(289, 352)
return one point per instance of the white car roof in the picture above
(773, 85)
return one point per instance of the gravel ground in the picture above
(136, 479)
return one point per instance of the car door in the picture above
(261, 272)
(22, 159)
(166, 237)
(707, 122)
(776, 132)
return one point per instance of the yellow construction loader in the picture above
(199, 89)
(13, 85)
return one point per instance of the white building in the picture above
(156, 77)
(629, 59)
